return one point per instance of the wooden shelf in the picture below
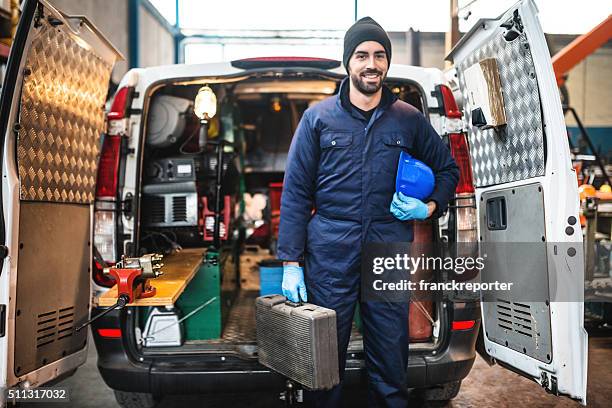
(179, 269)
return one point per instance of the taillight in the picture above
(466, 219)
(465, 216)
(106, 207)
(110, 333)
(461, 154)
(108, 167)
(121, 103)
(107, 185)
(466, 208)
(105, 239)
(463, 325)
(448, 101)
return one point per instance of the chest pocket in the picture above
(336, 140)
(397, 140)
(389, 147)
(336, 152)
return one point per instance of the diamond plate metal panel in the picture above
(61, 117)
(518, 153)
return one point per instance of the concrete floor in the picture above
(484, 387)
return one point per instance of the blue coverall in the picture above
(345, 168)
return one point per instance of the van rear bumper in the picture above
(218, 373)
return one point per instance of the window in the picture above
(166, 8)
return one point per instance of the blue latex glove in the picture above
(293, 283)
(407, 208)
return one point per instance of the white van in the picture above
(65, 213)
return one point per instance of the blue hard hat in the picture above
(414, 178)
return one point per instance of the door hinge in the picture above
(40, 15)
(553, 386)
(544, 379)
(4, 252)
(550, 387)
(514, 26)
(2, 320)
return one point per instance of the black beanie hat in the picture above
(365, 29)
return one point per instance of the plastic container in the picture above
(271, 277)
(414, 178)
(275, 191)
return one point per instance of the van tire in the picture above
(136, 399)
(441, 392)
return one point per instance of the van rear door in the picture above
(51, 117)
(527, 201)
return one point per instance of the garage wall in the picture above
(156, 43)
(432, 49)
(589, 83)
(110, 17)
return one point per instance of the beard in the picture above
(364, 87)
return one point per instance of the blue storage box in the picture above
(270, 277)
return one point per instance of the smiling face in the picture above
(368, 67)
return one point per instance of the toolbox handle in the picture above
(294, 304)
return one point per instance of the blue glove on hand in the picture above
(293, 282)
(407, 208)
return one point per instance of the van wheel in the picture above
(440, 394)
(136, 399)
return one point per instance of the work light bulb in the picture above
(205, 104)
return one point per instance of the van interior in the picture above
(256, 118)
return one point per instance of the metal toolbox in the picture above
(298, 341)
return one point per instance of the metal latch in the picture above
(127, 205)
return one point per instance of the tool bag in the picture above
(298, 341)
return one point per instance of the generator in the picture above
(178, 197)
(170, 195)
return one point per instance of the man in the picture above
(342, 162)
